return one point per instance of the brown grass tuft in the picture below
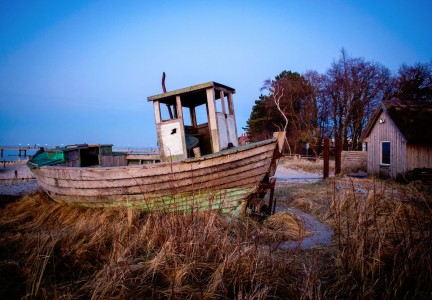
(287, 226)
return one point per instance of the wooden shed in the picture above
(399, 137)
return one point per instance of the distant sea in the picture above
(12, 155)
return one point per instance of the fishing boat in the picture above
(200, 166)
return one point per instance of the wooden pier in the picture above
(22, 151)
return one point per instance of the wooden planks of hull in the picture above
(115, 173)
(219, 181)
(165, 188)
(195, 176)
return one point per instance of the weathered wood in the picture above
(141, 157)
(157, 113)
(198, 175)
(124, 177)
(179, 107)
(239, 170)
(386, 131)
(224, 111)
(406, 126)
(338, 160)
(280, 140)
(418, 156)
(230, 104)
(159, 183)
(224, 201)
(198, 87)
(163, 82)
(326, 158)
(221, 158)
(354, 159)
(193, 117)
(222, 99)
(170, 186)
(171, 140)
(213, 126)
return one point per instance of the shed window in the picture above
(385, 153)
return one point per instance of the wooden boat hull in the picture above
(219, 181)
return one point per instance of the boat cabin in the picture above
(195, 121)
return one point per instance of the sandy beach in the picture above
(286, 175)
(16, 180)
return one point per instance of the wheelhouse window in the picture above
(385, 153)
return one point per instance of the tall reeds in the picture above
(70, 252)
(384, 242)
(382, 248)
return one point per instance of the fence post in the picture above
(326, 157)
(338, 161)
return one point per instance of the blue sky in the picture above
(81, 71)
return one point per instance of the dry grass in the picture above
(311, 197)
(384, 240)
(286, 226)
(383, 237)
(382, 248)
(67, 252)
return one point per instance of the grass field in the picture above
(382, 248)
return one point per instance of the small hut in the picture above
(399, 137)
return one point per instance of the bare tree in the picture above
(317, 112)
(277, 94)
(353, 88)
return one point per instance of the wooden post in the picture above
(157, 111)
(212, 122)
(338, 161)
(222, 99)
(193, 117)
(230, 104)
(179, 113)
(326, 158)
(272, 205)
(170, 111)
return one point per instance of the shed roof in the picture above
(413, 119)
(195, 93)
